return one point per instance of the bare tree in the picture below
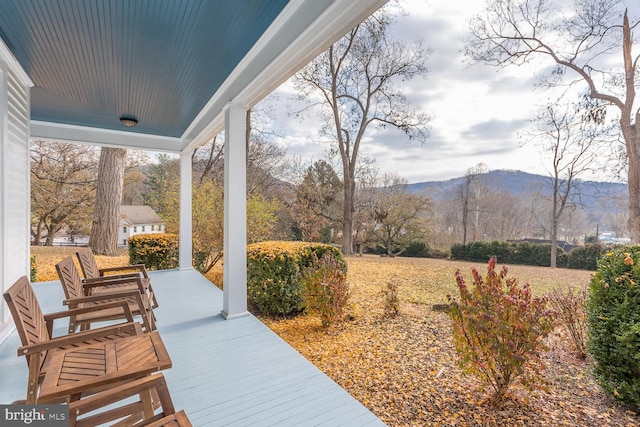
(469, 195)
(582, 40)
(63, 187)
(572, 143)
(134, 177)
(399, 217)
(615, 217)
(208, 160)
(445, 222)
(353, 85)
(507, 218)
(367, 183)
(106, 214)
(264, 157)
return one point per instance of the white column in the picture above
(235, 213)
(186, 218)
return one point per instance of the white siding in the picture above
(148, 229)
(14, 179)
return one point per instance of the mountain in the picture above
(594, 196)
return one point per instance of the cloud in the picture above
(494, 129)
(477, 110)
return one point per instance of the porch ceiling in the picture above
(173, 65)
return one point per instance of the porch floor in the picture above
(225, 373)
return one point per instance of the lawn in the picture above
(403, 367)
(48, 256)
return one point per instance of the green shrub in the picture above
(498, 330)
(324, 288)
(33, 269)
(416, 250)
(500, 250)
(156, 251)
(481, 251)
(423, 250)
(274, 271)
(585, 257)
(439, 253)
(522, 253)
(459, 251)
(613, 317)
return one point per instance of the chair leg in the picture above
(153, 298)
(152, 319)
(147, 403)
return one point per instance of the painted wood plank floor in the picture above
(225, 373)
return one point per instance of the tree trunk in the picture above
(631, 133)
(49, 240)
(555, 215)
(465, 217)
(633, 151)
(106, 216)
(37, 234)
(554, 238)
(347, 224)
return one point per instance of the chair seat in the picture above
(113, 313)
(90, 269)
(95, 292)
(131, 286)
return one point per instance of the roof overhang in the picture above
(295, 32)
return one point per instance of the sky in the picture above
(479, 112)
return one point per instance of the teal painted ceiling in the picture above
(160, 61)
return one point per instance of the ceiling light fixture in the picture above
(128, 121)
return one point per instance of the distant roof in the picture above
(135, 215)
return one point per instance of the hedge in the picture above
(614, 323)
(274, 271)
(522, 253)
(156, 251)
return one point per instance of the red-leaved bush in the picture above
(498, 330)
(325, 291)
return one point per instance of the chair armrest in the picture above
(51, 317)
(105, 281)
(114, 276)
(115, 279)
(74, 302)
(140, 267)
(79, 338)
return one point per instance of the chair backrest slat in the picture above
(26, 312)
(88, 263)
(70, 278)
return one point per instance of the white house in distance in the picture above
(136, 220)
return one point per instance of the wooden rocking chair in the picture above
(83, 413)
(136, 272)
(79, 294)
(35, 330)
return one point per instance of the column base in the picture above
(228, 316)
